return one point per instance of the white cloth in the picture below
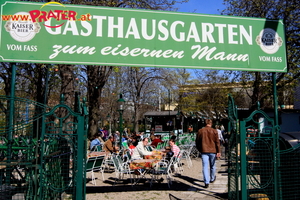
(140, 151)
(220, 135)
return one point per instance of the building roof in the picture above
(160, 113)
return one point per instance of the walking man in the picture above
(208, 144)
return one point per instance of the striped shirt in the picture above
(175, 150)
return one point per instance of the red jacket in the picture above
(156, 141)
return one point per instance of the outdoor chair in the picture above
(127, 156)
(125, 145)
(98, 166)
(186, 150)
(121, 168)
(108, 162)
(194, 152)
(176, 163)
(162, 169)
(165, 143)
(149, 148)
(89, 168)
(97, 148)
(159, 146)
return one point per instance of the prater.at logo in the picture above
(269, 41)
(23, 26)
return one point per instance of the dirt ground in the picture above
(185, 186)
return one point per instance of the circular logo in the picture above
(269, 41)
(21, 28)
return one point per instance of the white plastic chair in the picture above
(162, 169)
(121, 168)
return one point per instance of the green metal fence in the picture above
(42, 150)
(261, 165)
(289, 175)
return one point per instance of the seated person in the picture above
(140, 150)
(174, 148)
(173, 136)
(124, 138)
(152, 135)
(156, 141)
(132, 143)
(109, 146)
(96, 141)
(169, 153)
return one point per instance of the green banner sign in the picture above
(94, 35)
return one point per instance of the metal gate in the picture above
(42, 151)
(261, 164)
(289, 166)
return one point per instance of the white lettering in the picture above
(71, 50)
(132, 30)
(193, 33)
(163, 30)
(173, 31)
(72, 28)
(30, 48)
(221, 32)
(265, 58)
(99, 24)
(231, 34)
(119, 26)
(207, 30)
(14, 47)
(245, 34)
(208, 54)
(52, 31)
(276, 59)
(144, 29)
(143, 52)
(88, 28)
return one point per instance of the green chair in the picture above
(125, 145)
(89, 168)
(98, 166)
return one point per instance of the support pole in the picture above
(275, 98)
(121, 128)
(169, 95)
(275, 139)
(10, 123)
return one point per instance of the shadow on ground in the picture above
(125, 185)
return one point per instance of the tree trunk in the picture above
(67, 89)
(97, 77)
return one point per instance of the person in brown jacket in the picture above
(208, 144)
(109, 146)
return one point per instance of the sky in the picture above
(202, 6)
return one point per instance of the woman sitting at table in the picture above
(174, 148)
(140, 150)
